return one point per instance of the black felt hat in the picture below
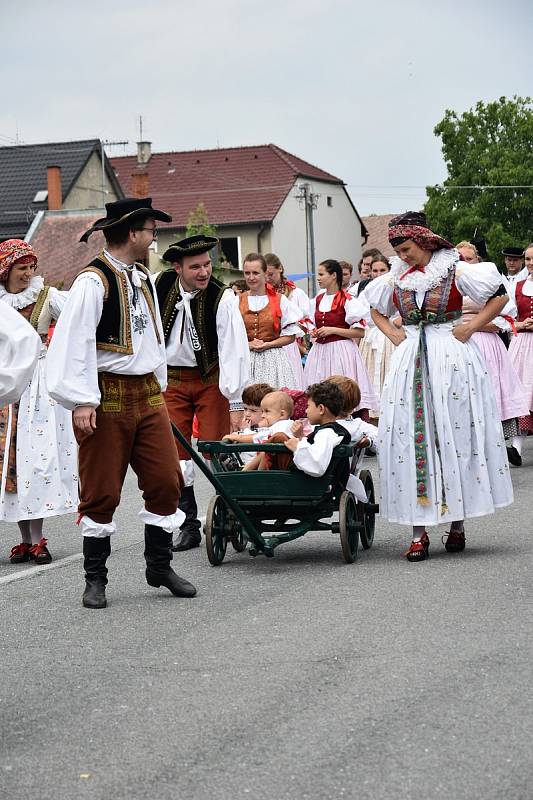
(481, 247)
(515, 252)
(191, 246)
(126, 210)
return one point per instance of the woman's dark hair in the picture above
(380, 260)
(333, 268)
(240, 284)
(327, 394)
(256, 257)
(272, 260)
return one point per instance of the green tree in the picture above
(490, 145)
(198, 223)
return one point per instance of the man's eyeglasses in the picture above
(153, 231)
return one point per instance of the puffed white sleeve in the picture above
(379, 294)
(314, 459)
(479, 281)
(290, 314)
(233, 350)
(300, 299)
(357, 311)
(71, 366)
(20, 347)
(57, 301)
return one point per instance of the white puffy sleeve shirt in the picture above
(315, 458)
(290, 313)
(73, 362)
(19, 350)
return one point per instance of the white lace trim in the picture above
(440, 264)
(26, 296)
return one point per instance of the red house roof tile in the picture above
(377, 226)
(237, 185)
(56, 241)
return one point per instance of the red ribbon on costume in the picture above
(275, 306)
(412, 269)
(339, 301)
(511, 322)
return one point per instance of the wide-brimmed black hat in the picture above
(191, 246)
(515, 252)
(126, 210)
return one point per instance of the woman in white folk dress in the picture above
(521, 348)
(511, 397)
(276, 278)
(442, 455)
(338, 326)
(271, 322)
(38, 452)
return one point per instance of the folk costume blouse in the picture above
(441, 450)
(74, 360)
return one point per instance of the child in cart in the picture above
(252, 397)
(276, 411)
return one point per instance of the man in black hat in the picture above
(207, 353)
(514, 264)
(107, 363)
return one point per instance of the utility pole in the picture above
(310, 201)
(106, 143)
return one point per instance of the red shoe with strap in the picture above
(40, 553)
(454, 541)
(20, 553)
(419, 549)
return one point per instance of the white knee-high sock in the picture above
(518, 442)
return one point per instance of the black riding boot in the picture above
(190, 535)
(158, 556)
(95, 552)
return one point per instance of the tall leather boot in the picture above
(95, 554)
(189, 535)
(158, 555)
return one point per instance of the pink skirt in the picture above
(521, 353)
(510, 394)
(340, 358)
(295, 360)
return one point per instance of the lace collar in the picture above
(24, 298)
(440, 264)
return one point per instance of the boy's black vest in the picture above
(114, 329)
(204, 314)
(342, 471)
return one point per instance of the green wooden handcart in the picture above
(261, 510)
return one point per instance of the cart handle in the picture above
(212, 478)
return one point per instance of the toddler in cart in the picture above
(251, 399)
(276, 411)
(312, 454)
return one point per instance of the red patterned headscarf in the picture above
(13, 250)
(412, 225)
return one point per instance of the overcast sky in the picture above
(353, 87)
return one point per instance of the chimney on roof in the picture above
(144, 152)
(139, 182)
(55, 194)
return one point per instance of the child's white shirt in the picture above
(315, 458)
(281, 426)
(357, 428)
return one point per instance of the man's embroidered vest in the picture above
(114, 329)
(204, 307)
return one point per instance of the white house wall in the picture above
(337, 229)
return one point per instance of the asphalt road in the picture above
(293, 677)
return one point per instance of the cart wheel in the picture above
(216, 520)
(348, 527)
(239, 542)
(366, 517)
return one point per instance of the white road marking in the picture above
(39, 569)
